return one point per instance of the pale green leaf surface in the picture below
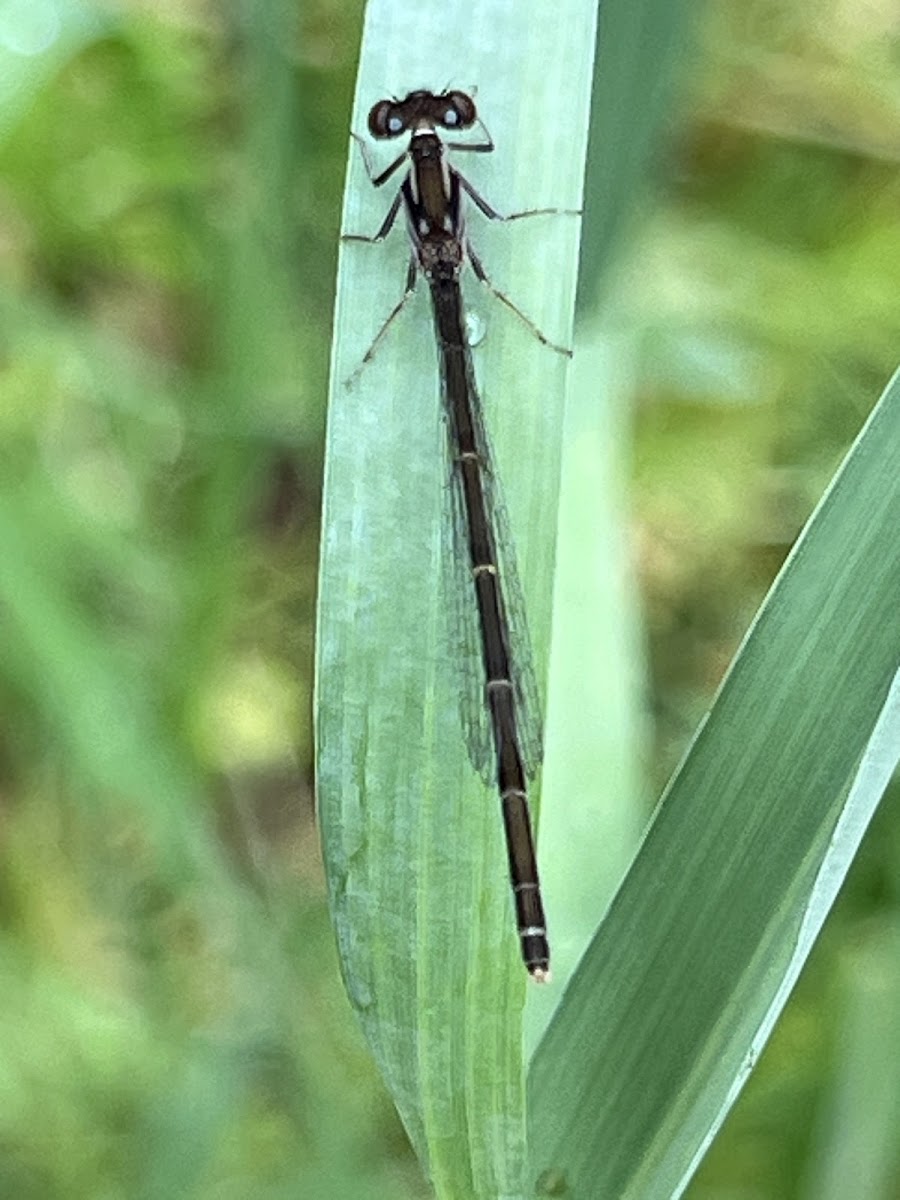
(590, 831)
(595, 802)
(857, 1130)
(685, 977)
(640, 51)
(412, 837)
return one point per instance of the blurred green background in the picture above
(170, 185)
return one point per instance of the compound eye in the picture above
(385, 121)
(460, 112)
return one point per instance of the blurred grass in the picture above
(169, 202)
(173, 1022)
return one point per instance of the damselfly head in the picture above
(422, 110)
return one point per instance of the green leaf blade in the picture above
(683, 980)
(412, 837)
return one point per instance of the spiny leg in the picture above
(384, 176)
(383, 230)
(411, 275)
(482, 276)
(491, 213)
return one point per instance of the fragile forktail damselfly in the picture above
(432, 196)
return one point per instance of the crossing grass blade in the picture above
(681, 985)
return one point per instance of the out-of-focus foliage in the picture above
(172, 1019)
(172, 1022)
(764, 280)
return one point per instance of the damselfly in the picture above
(432, 195)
